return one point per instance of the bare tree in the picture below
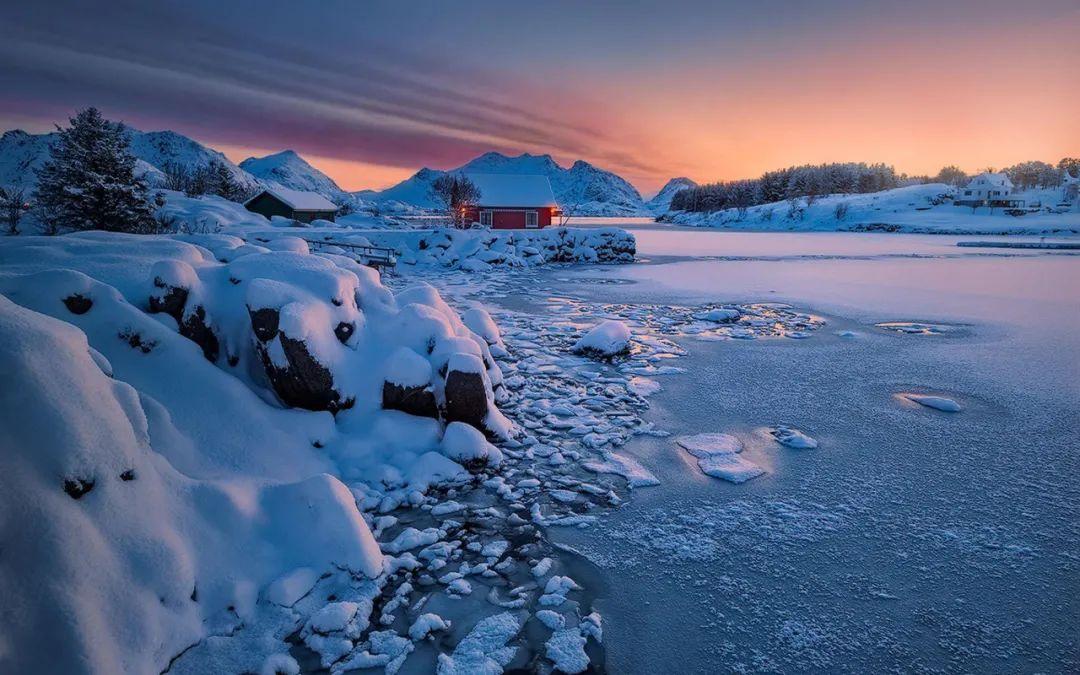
(176, 176)
(456, 194)
(12, 207)
(841, 211)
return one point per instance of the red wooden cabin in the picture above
(513, 202)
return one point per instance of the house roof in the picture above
(513, 189)
(999, 178)
(298, 200)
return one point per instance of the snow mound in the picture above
(116, 554)
(607, 339)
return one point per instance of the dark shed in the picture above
(302, 206)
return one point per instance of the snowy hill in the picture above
(583, 189)
(23, 154)
(160, 148)
(290, 170)
(662, 201)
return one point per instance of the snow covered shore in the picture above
(473, 250)
(190, 419)
(914, 209)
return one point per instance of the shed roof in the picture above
(298, 200)
(513, 189)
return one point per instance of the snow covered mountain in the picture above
(582, 190)
(290, 170)
(161, 148)
(22, 155)
(662, 201)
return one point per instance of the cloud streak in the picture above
(372, 103)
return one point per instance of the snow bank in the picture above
(914, 208)
(112, 552)
(480, 250)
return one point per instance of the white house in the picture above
(987, 189)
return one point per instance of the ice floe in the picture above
(936, 402)
(718, 455)
(792, 438)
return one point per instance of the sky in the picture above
(371, 91)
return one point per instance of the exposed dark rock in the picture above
(344, 331)
(77, 487)
(419, 400)
(171, 300)
(78, 303)
(265, 323)
(195, 328)
(128, 475)
(304, 382)
(466, 398)
(137, 341)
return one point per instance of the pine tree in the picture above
(224, 184)
(89, 183)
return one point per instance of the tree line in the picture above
(809, 182)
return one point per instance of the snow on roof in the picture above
(513, 189)
(299, 200)
(999, 178)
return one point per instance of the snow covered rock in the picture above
(608, 339)
(407, 386)
(468, 447)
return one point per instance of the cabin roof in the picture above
(298, 200)
(513, 190)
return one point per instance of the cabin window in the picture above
(485, 218)
(531, 219)
(967, 193)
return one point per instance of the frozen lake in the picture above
(911, 539)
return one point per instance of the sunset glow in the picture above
(708, 91)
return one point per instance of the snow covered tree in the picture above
(1070, 165)
(1027, 175)
(456, 193)
(12, 207)
(952, 175)
(89, 183)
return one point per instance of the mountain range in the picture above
(582, 189)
